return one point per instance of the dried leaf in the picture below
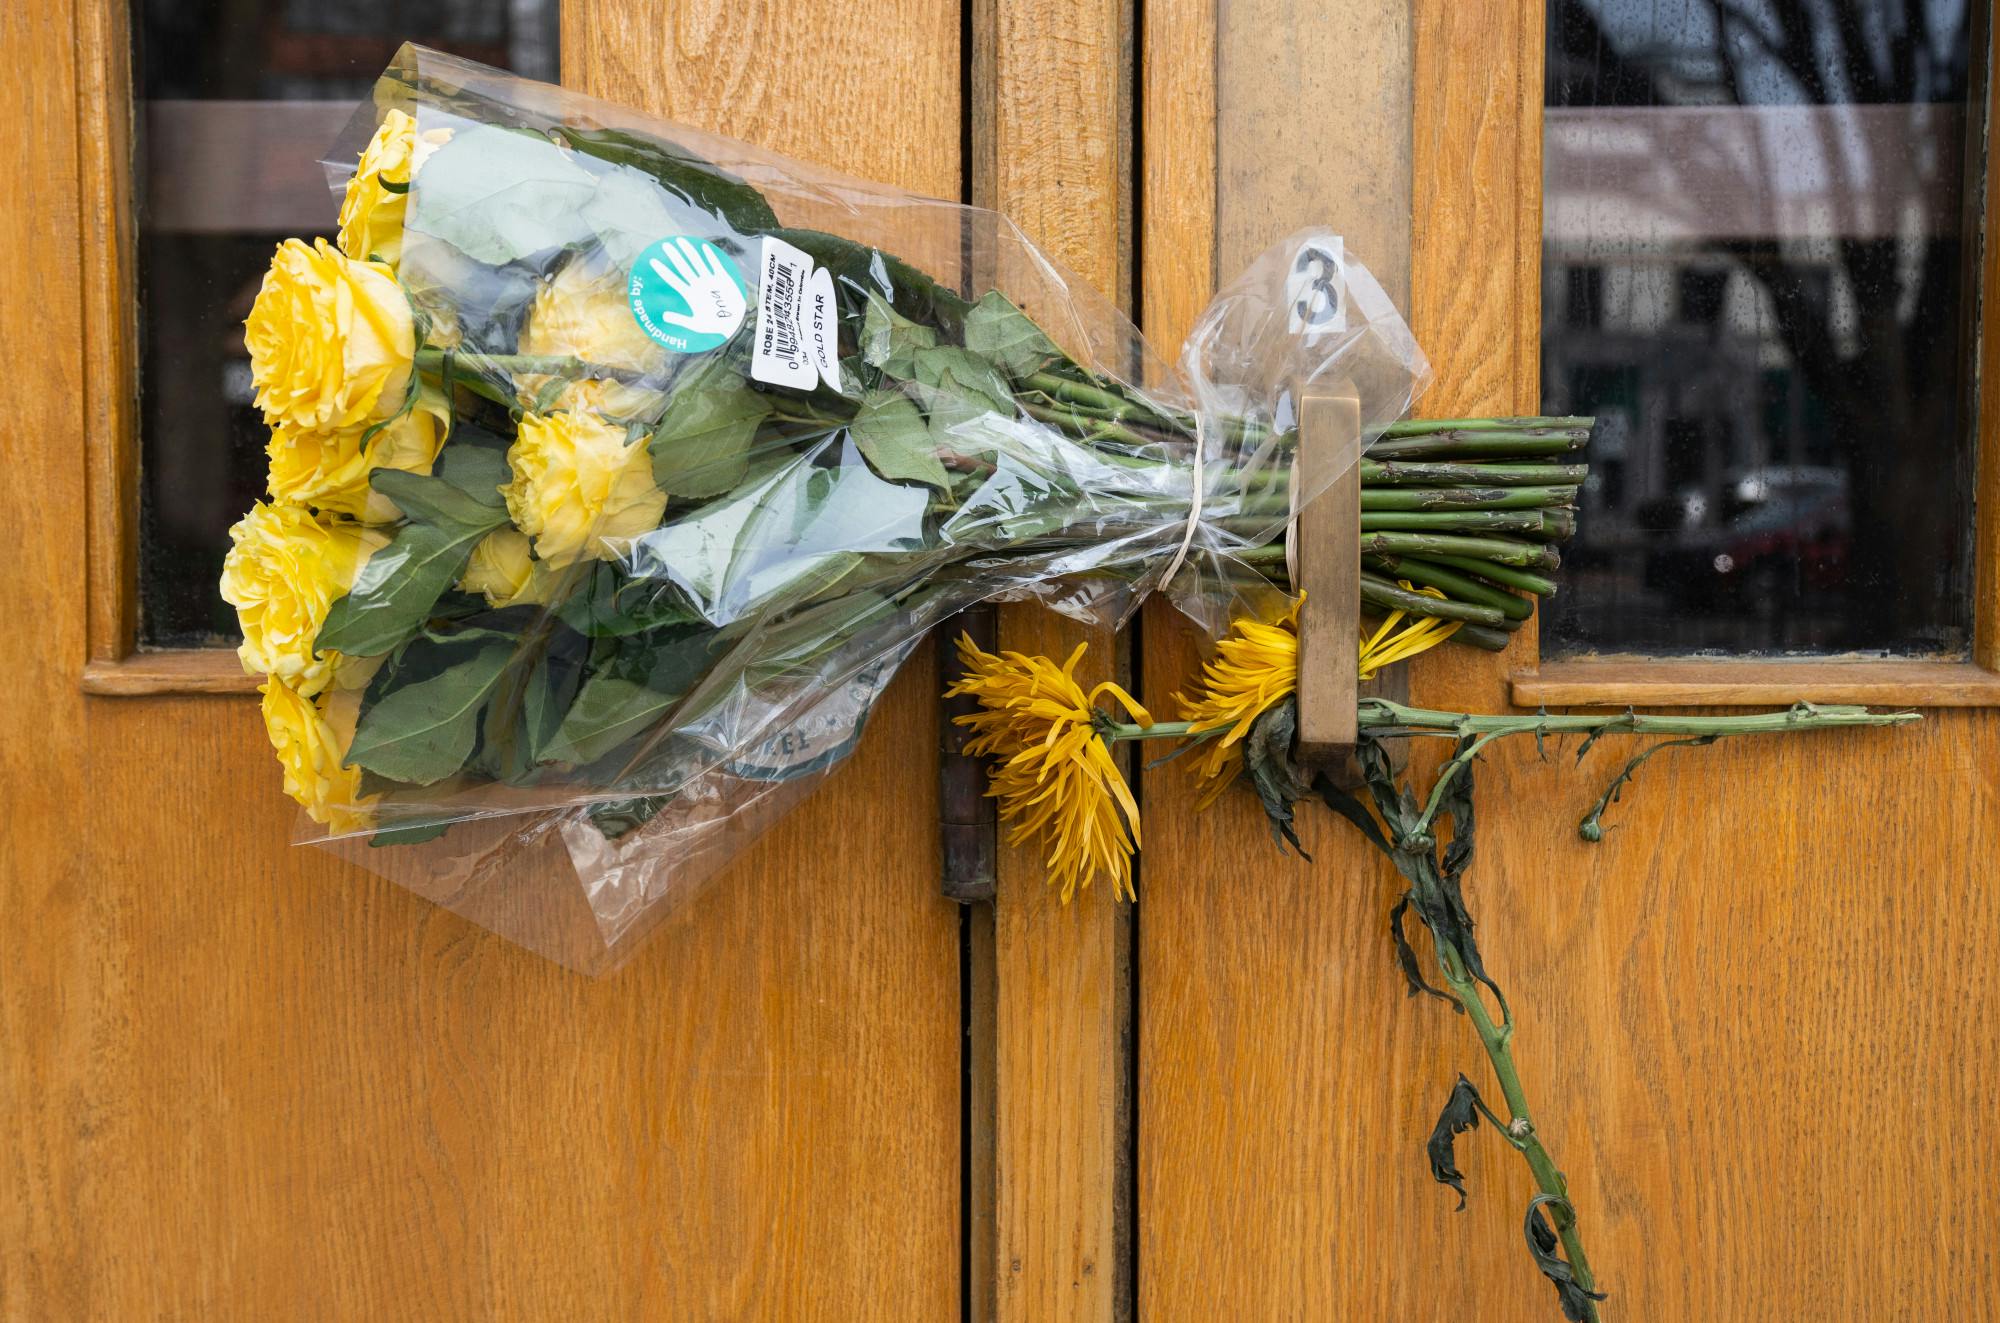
(1461, 1113)
(1406, 958)
(1268, 765)
(1577, 1303)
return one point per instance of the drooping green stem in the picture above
(1497, 1040)
(1384, 716)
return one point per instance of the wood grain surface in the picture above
(244, 1080)
(1606, 682)
(1050, 150)
(1749, 1019)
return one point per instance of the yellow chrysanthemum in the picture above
(1257, 665)
(1254, 666)
(1052, 774)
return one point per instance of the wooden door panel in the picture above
(1746, 1017)
(250, 1081)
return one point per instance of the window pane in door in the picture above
(1757, 273)
(237, 100)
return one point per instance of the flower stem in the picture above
(1159, 730)
(1381, 714)
(432, 360)
(1498, 1041)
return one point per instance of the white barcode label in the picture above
(780, 356)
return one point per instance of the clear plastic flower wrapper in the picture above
(617, 466)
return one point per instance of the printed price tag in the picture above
(780, 356)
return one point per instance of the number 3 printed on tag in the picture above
(1315, 291)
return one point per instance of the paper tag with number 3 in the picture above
(1315, 290)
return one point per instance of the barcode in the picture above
(783, 321)
(780, 356)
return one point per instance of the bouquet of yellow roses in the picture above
(615, 467)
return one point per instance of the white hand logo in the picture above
(715, 302)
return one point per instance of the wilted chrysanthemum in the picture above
(1053, 774)
(1257, 665)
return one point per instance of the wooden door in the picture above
(1742, 1013)
(248, 1081)
(245, 1081)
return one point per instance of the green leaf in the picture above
(436, 501)
(410, 833)
(421, 733)
(613, 604)
(966, 373)
(398, 589)
(957, 388)
(685, 176)
(776, 542)
(393, 595)
(997, 330)
(890, 340)
(499, 195)
(476, 463)
(701, 447)
(611, 708)
(892, 434)
(551, 690)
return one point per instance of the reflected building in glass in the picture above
(1755, 273)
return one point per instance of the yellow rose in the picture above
(312, 739)
(611, 399)
(331, 340)
(578, 489)
(371, 215)
(586, 315)
(502, 568)
(284, 569)
(329, 470)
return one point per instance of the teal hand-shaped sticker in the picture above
(686, 294)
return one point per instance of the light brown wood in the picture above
(1649, 682)
(110, 294)
(244, 1080)
(1049, 93)
(1775, 938)
(1329, 559)
(171, 671)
